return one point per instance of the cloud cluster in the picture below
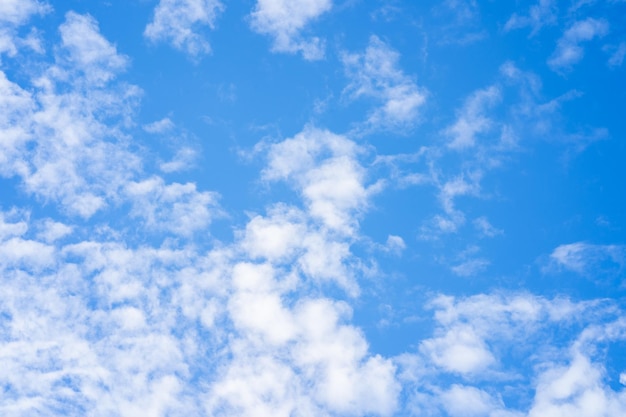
(13, 14)
(115, 299)
(476, 340)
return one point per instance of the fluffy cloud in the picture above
(88, 51)
(64, 140)
(324, 168)
(179, 23)
(284, 20)
(14, 13)
(375, 74)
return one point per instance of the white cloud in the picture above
(88, 51)
(588, 259)
(471, 329)
(472, 120)
(485, 228)
(183, 160)
(56, 139)
(395, 244)
(107, 326)
(51, 231)
(284, 21)
(464, 401)
(276, 236)
(325, 170)
(541, 14)
(569, 50)
(17, 12)
(179, 22)
(576, 388)
(177, 208)
(65, 138)
(470, 267)
(617, 57)
(159, 126)
(452, 218)
(375, 74)
(460, 350)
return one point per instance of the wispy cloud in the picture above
(539, 15)
(588, 259)
(472, 120)
(375, 74)
(569, 50)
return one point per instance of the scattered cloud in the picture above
(159, 126)
(617, 56)
(472, 120)
(539, 15)
(395, 244)
(285, 20)
(57, 139)
(180, 23)
(588, 259)
(116, 298)
(13, 14)
(470, 267)
(183, 160)
(375, 74)
(88, 51)
(569, 50)
(485, 228)
(17, 12)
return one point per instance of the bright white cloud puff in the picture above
(284, 21)
(180, 23)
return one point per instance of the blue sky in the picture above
(312, 208)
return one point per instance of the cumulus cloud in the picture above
(285, 20)
(375, 74)
(180, 23)
(569, 50)
(325, 169)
